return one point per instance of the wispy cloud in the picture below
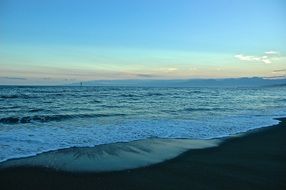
(13, 78)
(279, 71)
(59, 79)
(266, 58)
(271, 52)
(172, 69)
(146, 75)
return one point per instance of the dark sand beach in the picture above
(256, 160)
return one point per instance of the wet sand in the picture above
(256, 160)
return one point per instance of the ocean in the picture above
(38, 119)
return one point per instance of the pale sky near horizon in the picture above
(62, 41)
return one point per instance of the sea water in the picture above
(39, 119)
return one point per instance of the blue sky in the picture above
(58, 41)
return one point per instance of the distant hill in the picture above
(277, 85)
(228, 82)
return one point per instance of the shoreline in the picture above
(111, 157)
(214, 141)
(253, 160)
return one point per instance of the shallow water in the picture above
(112, 157)
(39, 119)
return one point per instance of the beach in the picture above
(142, 95)
(255, 160)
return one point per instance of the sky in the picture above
(66, 41)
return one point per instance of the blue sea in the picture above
(39, 119)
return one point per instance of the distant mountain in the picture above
(277, 85)
(228, 82)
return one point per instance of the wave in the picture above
(197, 91)
(9, 96)
(15, 96)
(112, 106)
(36, 110)
(9, 107)
(205, 109)
(95, 101)
(129, 95)
(48, 118)
(141, 95)
(154, 94)
(18, 143)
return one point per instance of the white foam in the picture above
(32, 139)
